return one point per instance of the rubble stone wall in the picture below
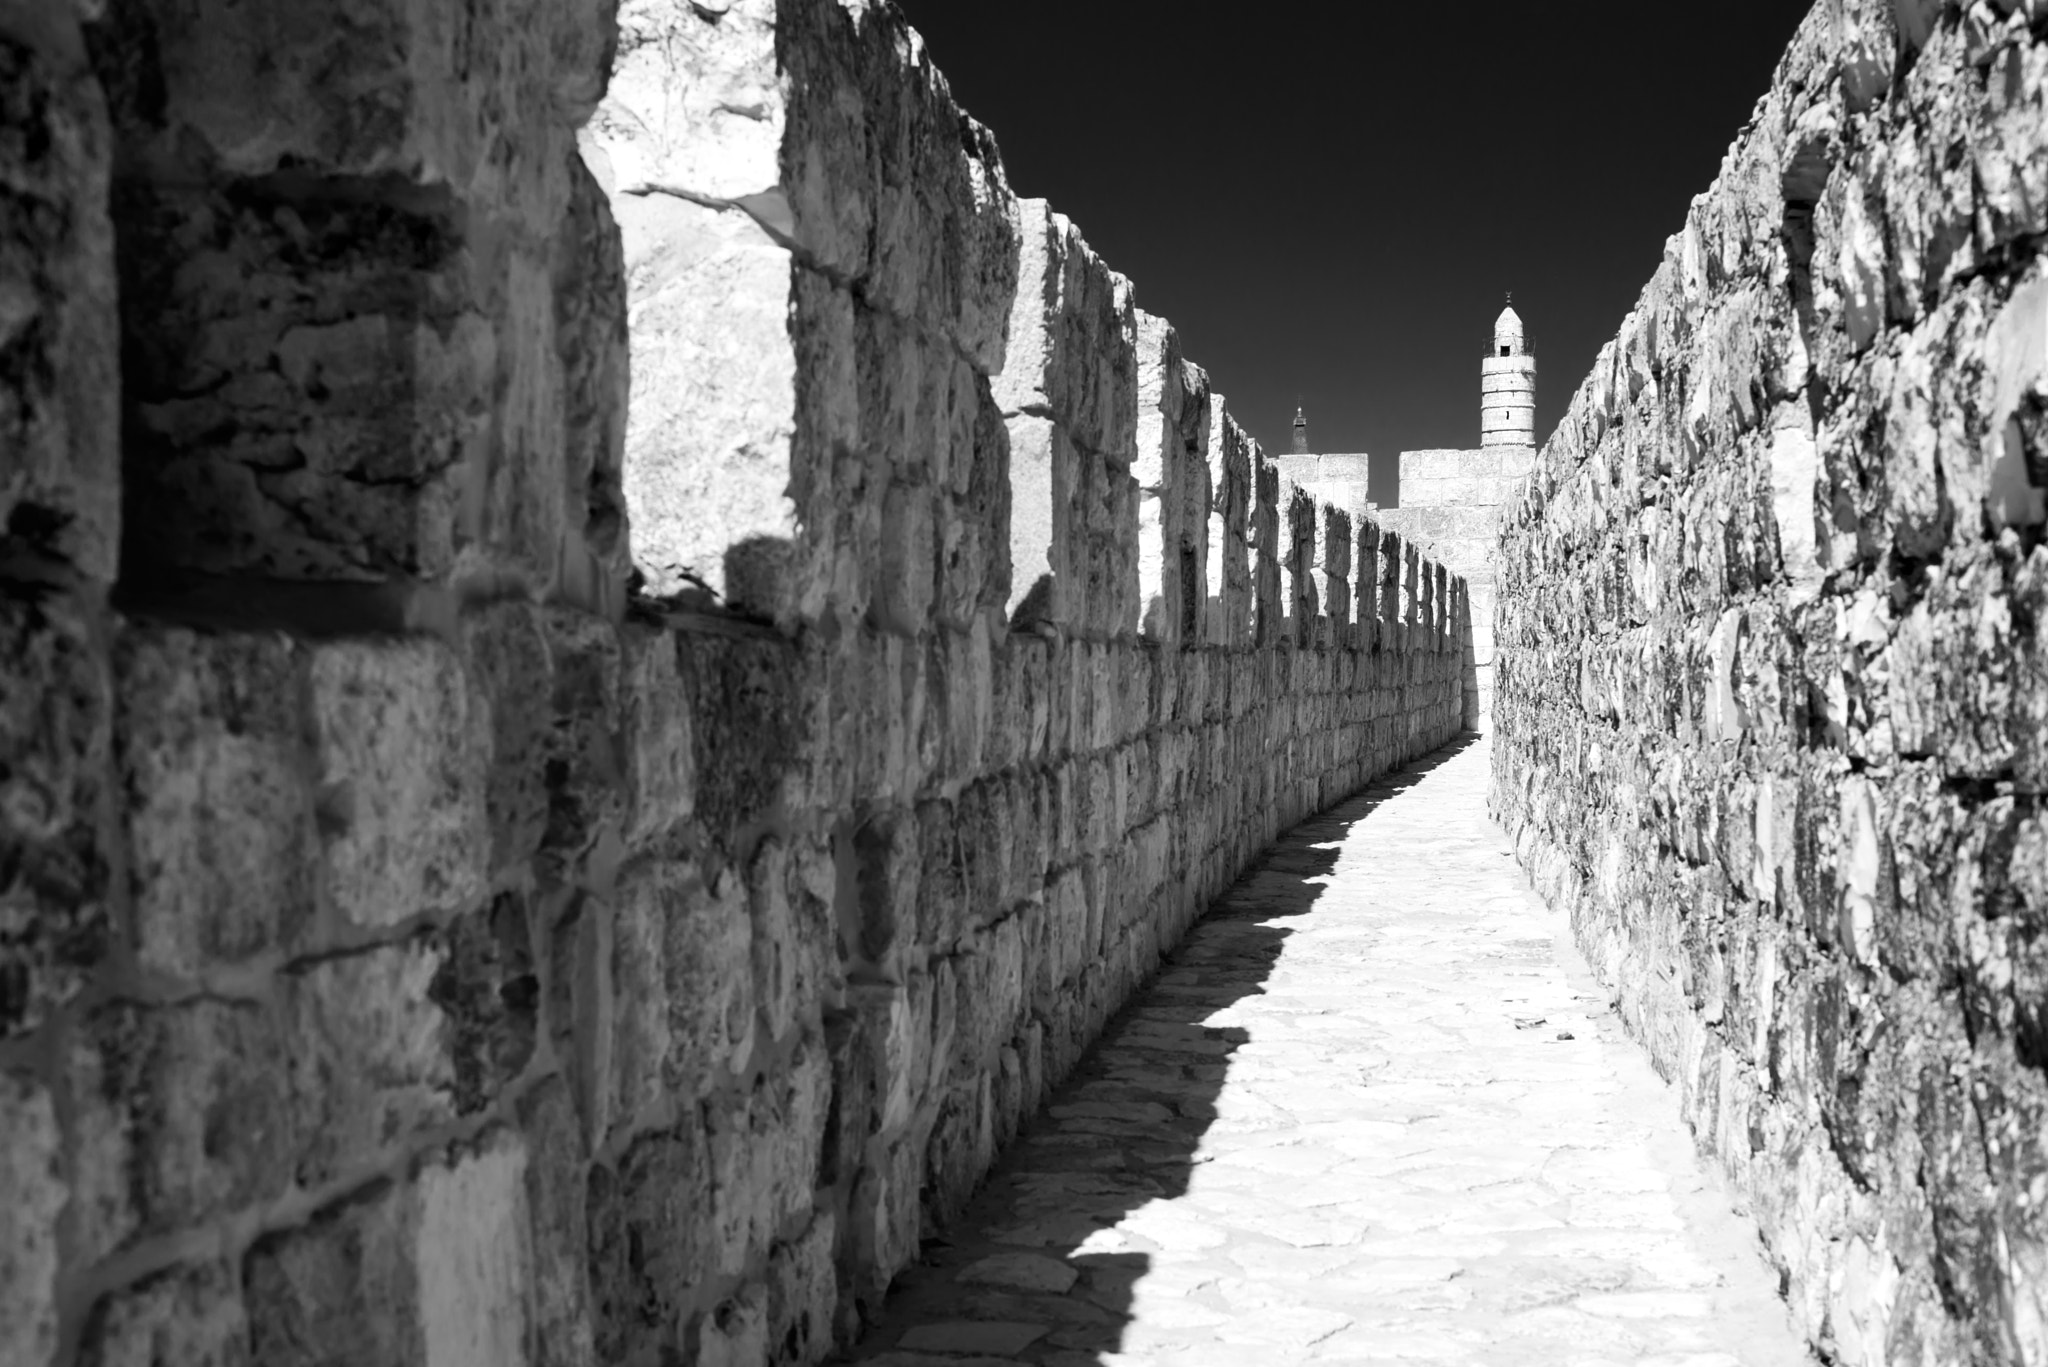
(420, 942)
(1773, 692)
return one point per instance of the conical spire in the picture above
(1507, 330)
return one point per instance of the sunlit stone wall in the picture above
(435, 930)
(1773, 685)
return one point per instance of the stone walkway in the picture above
(1375, 1110)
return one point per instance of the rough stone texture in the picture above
(59, 536)
(59, 474)
(359, 340)
(414, 951)
(1771, 686)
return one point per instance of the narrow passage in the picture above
(1374, 1110)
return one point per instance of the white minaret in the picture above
(1508, 386)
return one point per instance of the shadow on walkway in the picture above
(1033, 1271)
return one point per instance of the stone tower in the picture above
(1508, 386)
(1300, 432)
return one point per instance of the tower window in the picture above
(1503, 351)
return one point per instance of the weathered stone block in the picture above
(888, 869)
(657, 740)
(190, 1315)
(400, 750)
(796, 964)
(764, 1158)
(60, 494)
(489, 989)
(651, 1240)
(803, 1293)
(681, 1001)
(505, 650)
(305, 423)
(558, 1185)
(423, 1273)
(32, 1189)
(371, 1060)
(56, 793)
(746, 725)
(1072, 351)
(185, 1114)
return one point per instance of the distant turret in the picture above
(1507, 386)
(1300, 433)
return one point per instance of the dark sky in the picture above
(1335, 209)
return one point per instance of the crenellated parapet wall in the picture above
(441, 931)
(1773, 686)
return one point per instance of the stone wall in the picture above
(439, 932)
(1451, 505)
(1773, 713)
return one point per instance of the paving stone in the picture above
(1320, 1137)
(974, 1336)
(1023, 1272)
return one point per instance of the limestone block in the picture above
(557, 1182)
(362, 348)
(253, 92)
(973, 507)
(1073, 339)
(888, 866)
(2029, 718)
(1020, 708)
(885, 1214)
(32, 1188)
(651, 1239)
(803, 1292)
(186, 1113)
(190, 1315)
(372, 1060)
(681, 1000)
(1030, 838)
(400, 750)
(796, 966)
(505, 650)
(888, 181)
(656, 739)
(764, 1158)
(57, 787)
(311, 383)
(474, 1258)
(60, 488)
(748, 734)
(961, 1147)
(963, 685)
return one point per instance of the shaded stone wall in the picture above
(1774, 683)
(437, 931)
